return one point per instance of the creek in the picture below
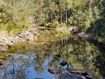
(31, 60)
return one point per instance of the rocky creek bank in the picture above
(7, 40)
(31, 34)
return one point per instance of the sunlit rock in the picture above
(3, 48)
(74, 29)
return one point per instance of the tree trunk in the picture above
(61, 16)
(66, 15)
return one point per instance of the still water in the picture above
(22, 66)
(32, 60)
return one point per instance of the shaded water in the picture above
(31, 60)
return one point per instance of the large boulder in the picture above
(88, 36)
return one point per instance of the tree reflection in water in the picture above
(35, 60)
(26, 67)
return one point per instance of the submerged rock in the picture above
(54, 70)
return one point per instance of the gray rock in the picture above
(6, 39)
(88, 36)
(71, 29)
(27, 36)
(3, 48)
(67, 75)
(81, 34)
(91, 36)
(18, 39)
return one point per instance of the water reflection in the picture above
(22, 66)
(73, 49)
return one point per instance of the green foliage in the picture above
(4, 14)
(2, 27)
(84, 13)
(16, 13)
(79, 13)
